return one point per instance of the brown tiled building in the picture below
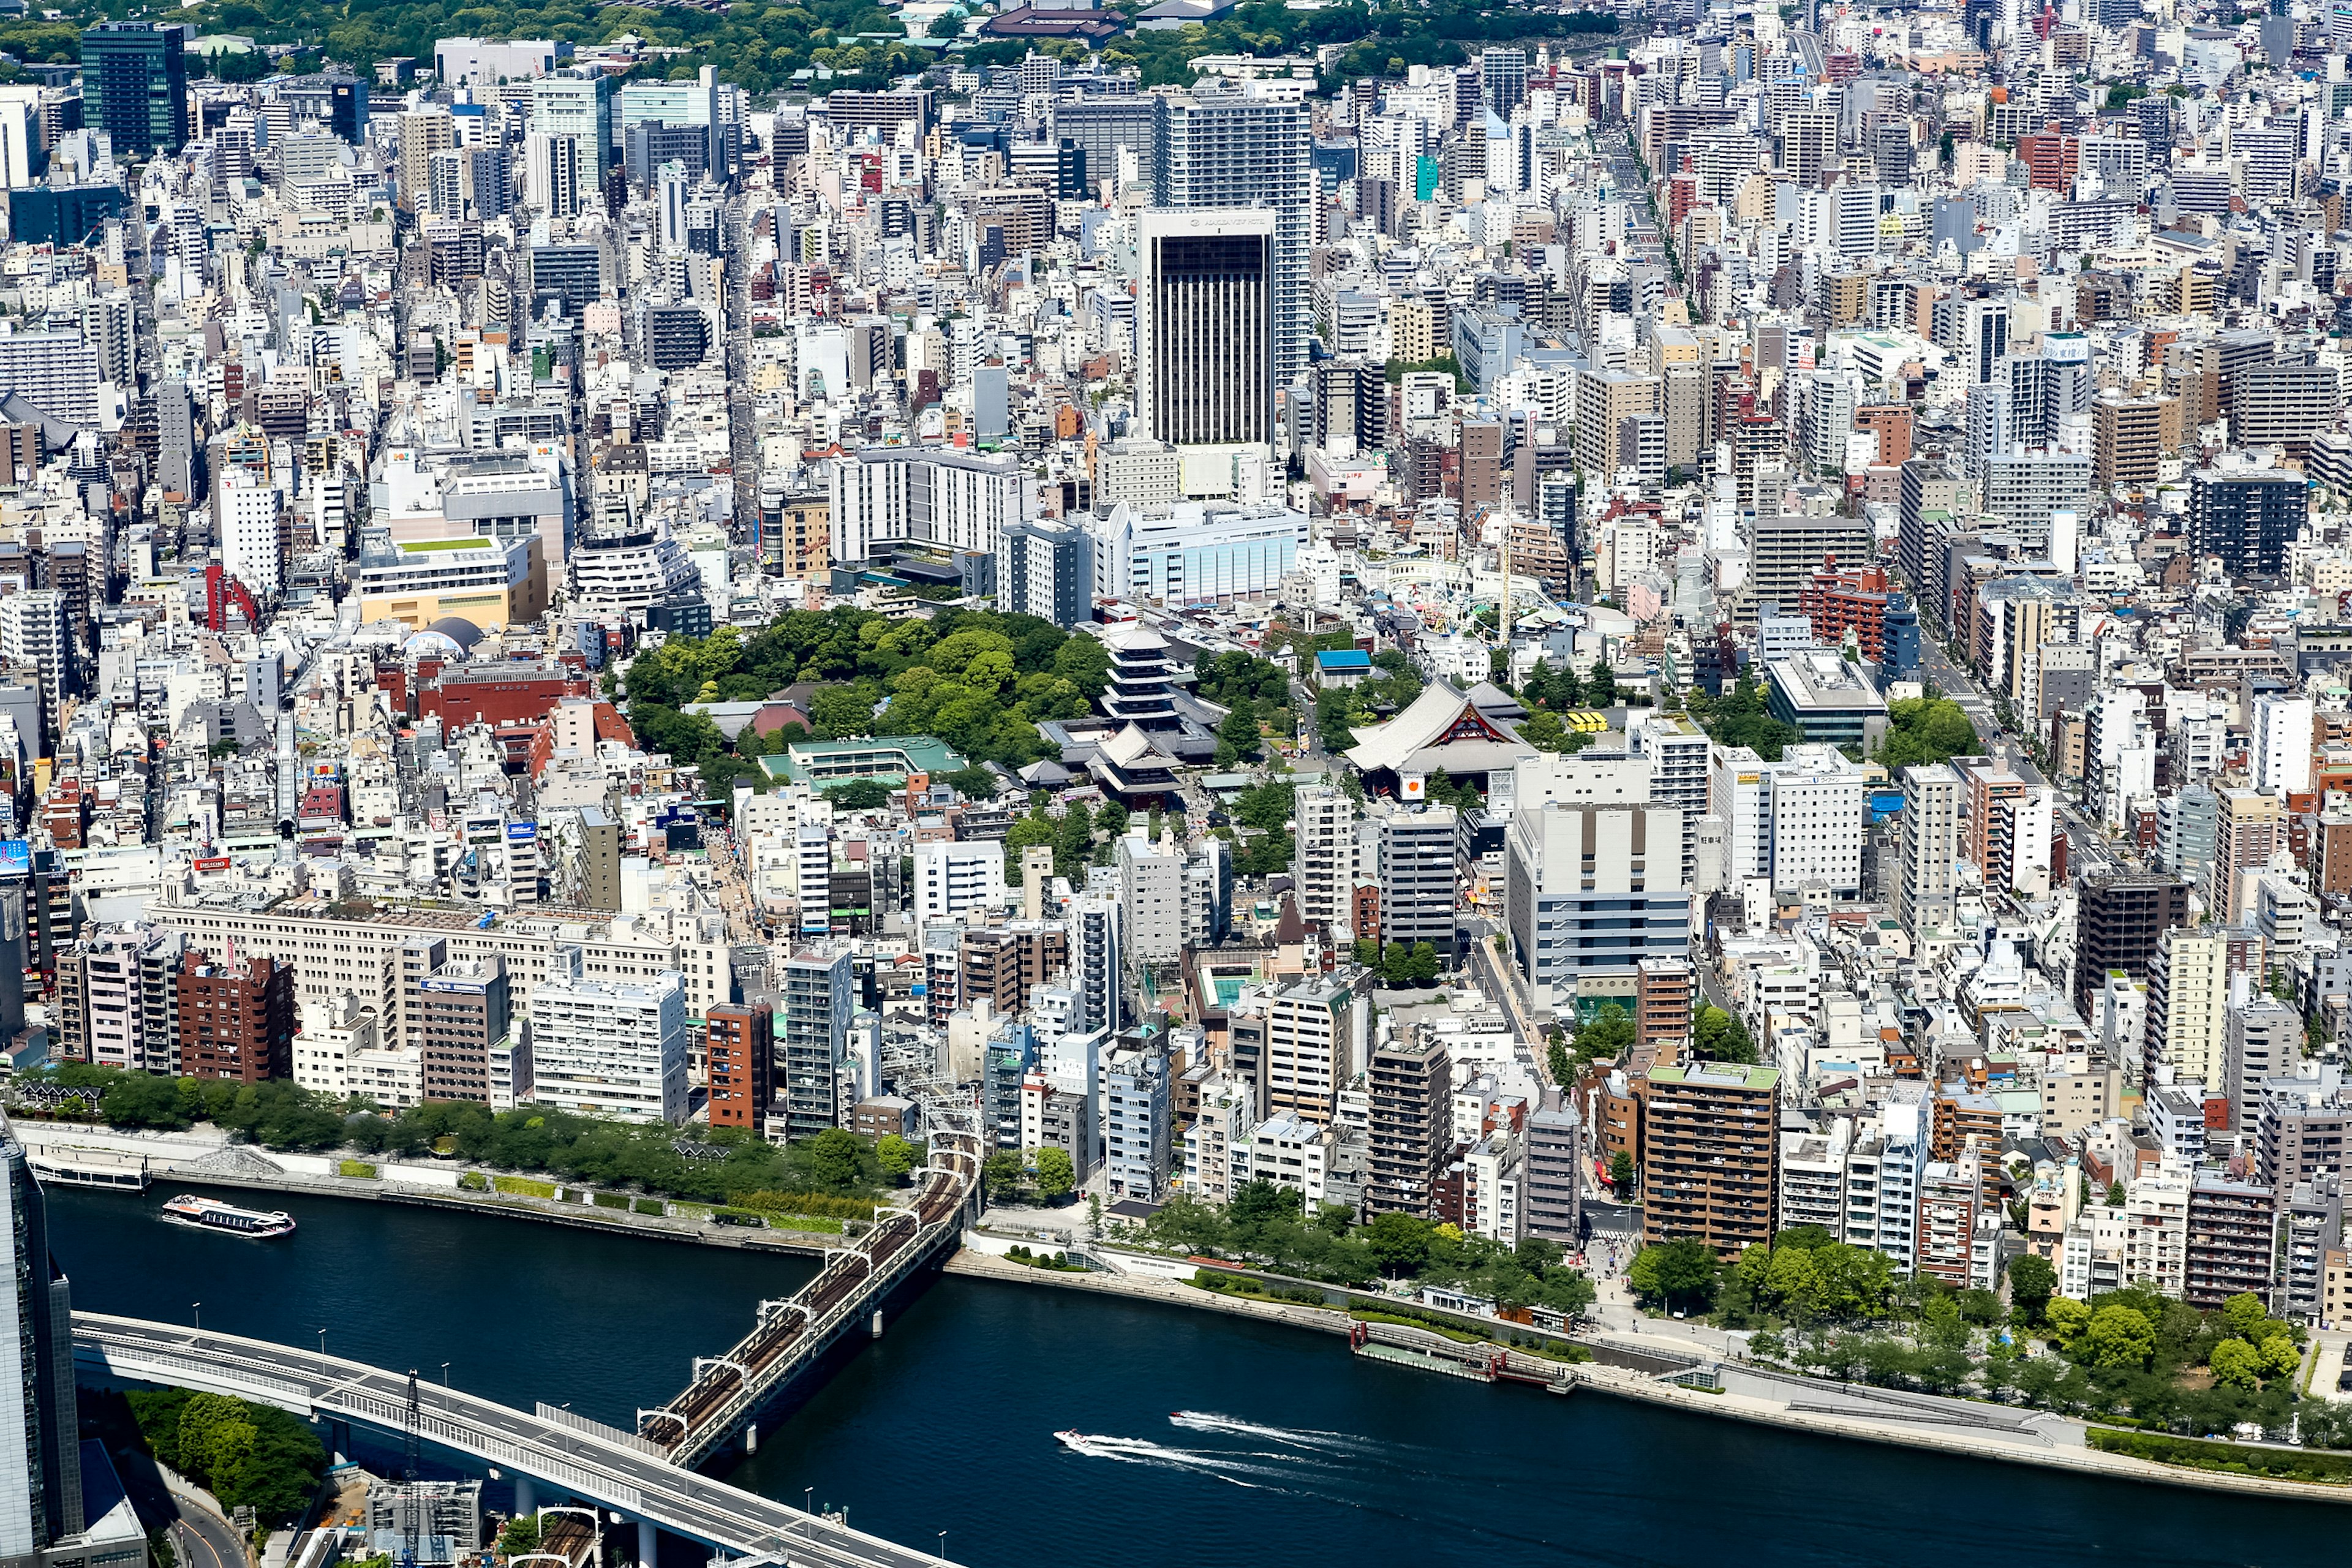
(236, 1020)
(999, 963)
(741, 1063)
(1710, 1154)
(462, 1010)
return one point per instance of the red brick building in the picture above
(1838, 602)
(742, 1049)
(236, 1020)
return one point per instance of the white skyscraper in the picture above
(1324, 855)
(2282, 727)
(605, 1048)
(249, 508)
(951, 877)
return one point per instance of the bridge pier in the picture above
(648, 1543)
(526, 1497)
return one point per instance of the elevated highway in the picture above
(551, 1455)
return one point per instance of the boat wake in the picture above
(1139, 1451)
(1309, 1438)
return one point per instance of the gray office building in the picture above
(1227, 147)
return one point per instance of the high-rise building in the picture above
(813, 1042)
(578, 104)
(135, 86)
(1710, 1154)
(1323, 855)
(1096, 956)
(2187, 1000)
(1311, 1044)
(236, 1020)
(40, 1435)
(465, 1016)
(2252, 828)
(1150, 896)
(1414, 854)
(1594, 887)
(740, 1063)
(1045, 569)
(2233, 1240)
(1552, 1186)
(1410, 1128)
(1932, 792)
(2127, 442)
(2247, 517)
(1247, 145)
(607, 1047)
(1206, 326)
(2120, 922)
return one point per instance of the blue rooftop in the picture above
(1346, 658)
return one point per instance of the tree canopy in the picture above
(1922, 729)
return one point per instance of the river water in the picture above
(1209, 1439)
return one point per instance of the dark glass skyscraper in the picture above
(135, 86)
(40, 1440)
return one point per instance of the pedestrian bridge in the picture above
(645, 1476)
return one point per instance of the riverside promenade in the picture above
(1962, 1428)
(204, 1159)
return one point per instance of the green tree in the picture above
(1237, 737)
(215, 1439)
(840, 711)
(1544, 731)
(1056, 1176)
(1000, 1174)
(1720, 1036)
(1421, 966)
(974, 784)
(2244, 1315)
(1398, 1242)
(2067, 1318)
(1621, 1175)
(2282, 1357)
(1603, 691)
(859, 794)
(832, 1157)
(520, 1536)
(898, 1156)
(2236, 1363)
(1682, 1274)
(2119, 1337)
(2031, 1282)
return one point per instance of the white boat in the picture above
(211, 1214)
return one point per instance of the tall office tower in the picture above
(1150, 896)
(1206, 326)
(1323, 855)
(486, 183)
(444, 183)
(1931, 843)
(2120, 925)
(1410, 1125)
(423, 133)
(1096, 954)
(742, 1067)
(40, 1437)
(32, 635)
(135, 86)
(2188, 1008)
(2282, 745)
(1503, 74)
(1414, 860)
(1243, 145)
(578, 105)
(2251, 829)
(812, 1039)
(2247, 517)
(175, 437)
(550, 172)
(1710, 1154)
